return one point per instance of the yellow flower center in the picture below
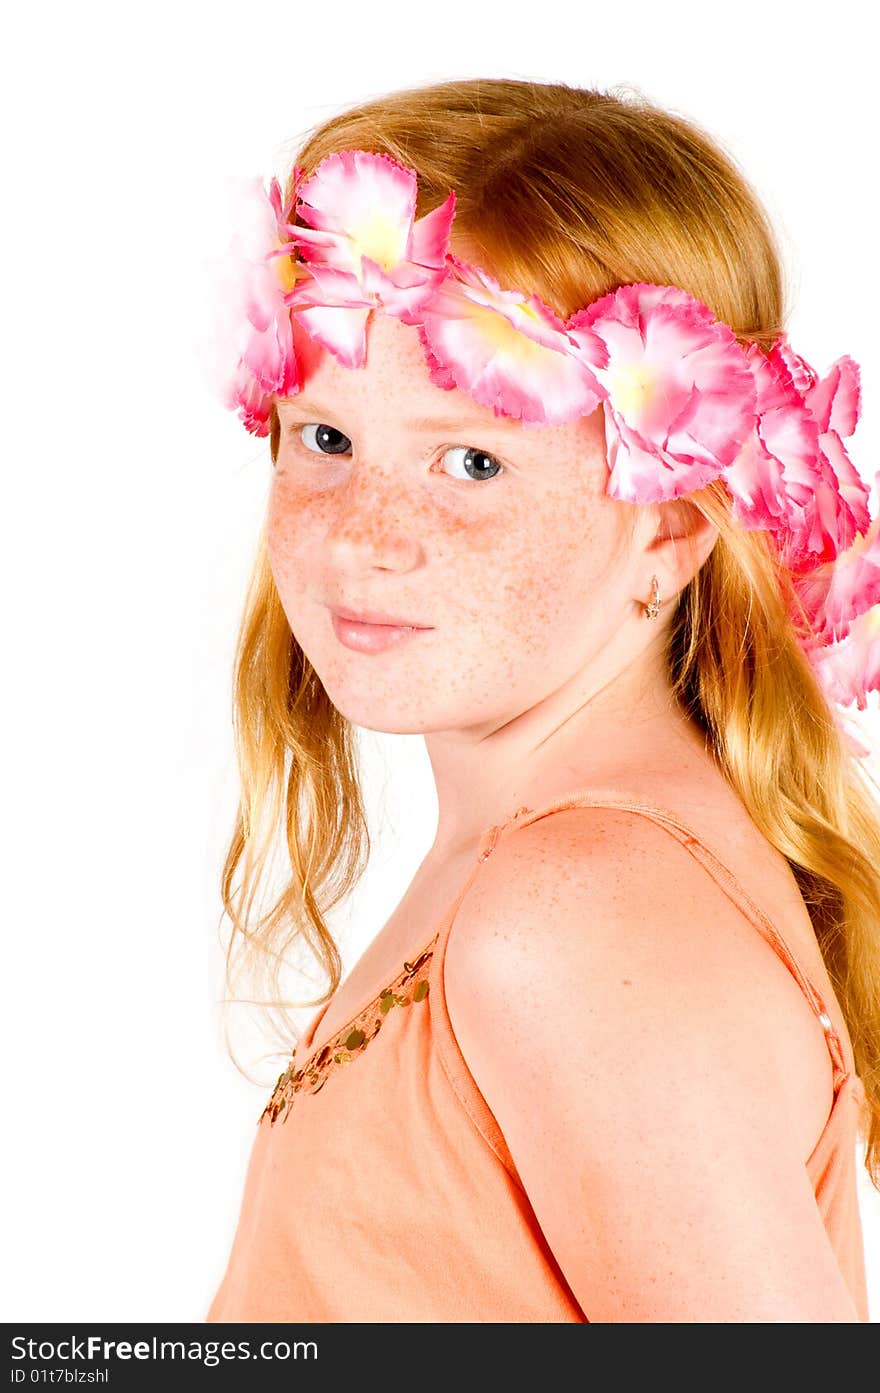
(529, 311)
(505, 337)
(380, 238)
(632, 389)
(286, 270)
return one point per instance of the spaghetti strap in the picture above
(703, 853)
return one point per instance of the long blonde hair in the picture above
(571, 193)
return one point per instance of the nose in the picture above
(375, 519)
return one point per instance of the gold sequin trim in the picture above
(411, 985)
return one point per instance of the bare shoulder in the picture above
(604, 908)
(621, 1016)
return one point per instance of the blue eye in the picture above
(476, 463)
(327, 440)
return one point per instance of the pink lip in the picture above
(371, 637)
(374, 616)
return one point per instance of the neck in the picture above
(588, 733)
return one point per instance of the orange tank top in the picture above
(380, 1187)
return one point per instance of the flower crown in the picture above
(684, 402)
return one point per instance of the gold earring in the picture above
(652, 608)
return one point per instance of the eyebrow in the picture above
(456, 423)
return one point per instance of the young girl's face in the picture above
(391, 494)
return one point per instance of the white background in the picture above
(131, 503)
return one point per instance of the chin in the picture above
(389, 722)
(383, 712)
(402, 727)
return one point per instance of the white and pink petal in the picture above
(508, 350)
(368, 198)
(836, 592)
(835, 400)
(850, 670)
(640, 473)
(429, 242)
(342, 331)
(675, 375)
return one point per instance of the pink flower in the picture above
(841, 495)
(681, 398)
(507, 349)
(252, 357)
(252, 405)
(782, 449)
(793, 475)
(835, 400)
(364, 250)
(837, 592)
(849, 670)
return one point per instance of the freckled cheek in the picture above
(299, 520)
(547, 568)
(292, 532)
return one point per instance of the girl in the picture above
(551, 488)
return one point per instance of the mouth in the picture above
(373, 616)
(369, 631)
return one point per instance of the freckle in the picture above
(627, 981)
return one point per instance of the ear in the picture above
(682, 540)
